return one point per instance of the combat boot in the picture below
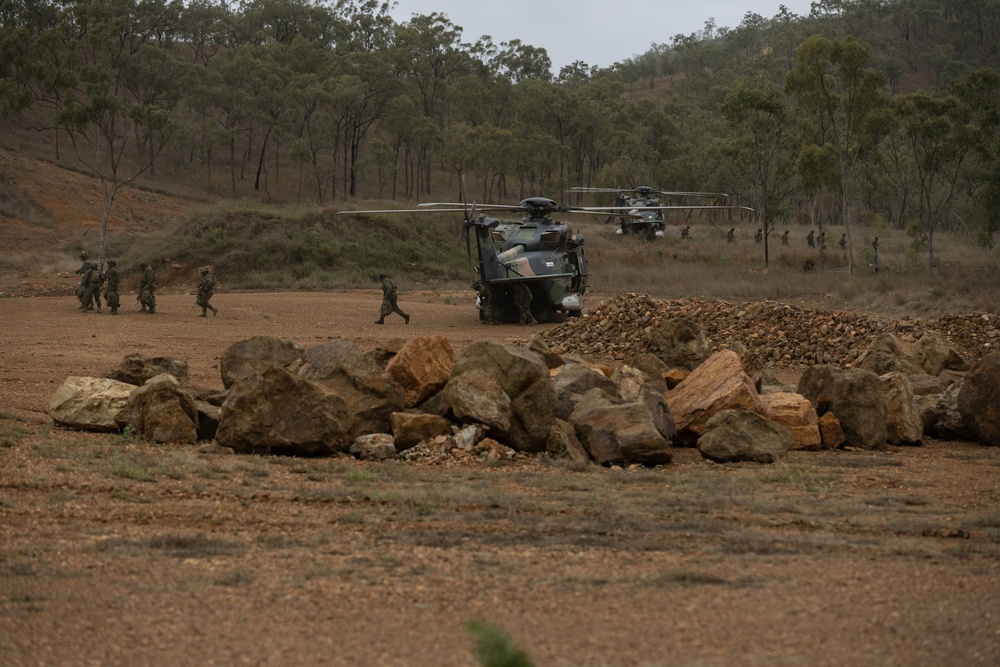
(379, 321)
(215, 311)
(406, 319)
(204, 313)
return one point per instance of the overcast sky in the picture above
(598, 32)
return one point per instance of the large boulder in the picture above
(421, 368)
(137, 369)
(979, 399)
(797, 414)
(162, 411)
(679, 343)
(903, 421)
(615, 433)
(374, 447)
(283, 353)
(411, 428)
(941, 417)
(91, 404)
(563, 443)
(742, 435)
(572, 380)
(930, 355)
(855, 396)
(368, 392)
(474, 397)
(635, 386)
(718, 384)
(522, 376)
(269, 409)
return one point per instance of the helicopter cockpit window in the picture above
(551, 237)
(498, 237)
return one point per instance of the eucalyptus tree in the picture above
(427, 55)
(87, 60)
(839, 95)
(936, 136)
(979, 92)
(762, 148)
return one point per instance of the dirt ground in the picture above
(119, 552)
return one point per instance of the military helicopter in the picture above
(526, 271)
(641, 212)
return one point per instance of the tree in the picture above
(763, 147)
(835, 86)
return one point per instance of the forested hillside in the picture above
(864, 111)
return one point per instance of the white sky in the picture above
(598, 32)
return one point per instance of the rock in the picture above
(903, 422)
(935, 356)
(679, 343)
(796, 413)
(208, 418)
(163, 412)
(563, 443)
(524, 378)
(718, 384)
(573, 380)
(538, 345)
(930, 355)
(368, 392)
(742, 435)
(271, 410)
(618, 433)
(374, 447)
(475, 397)
(979, 400)
(91, 404)
(941, 417)
(635, 386)
(855, 395)
(411, 428)
(925, 384)
(831, 432)
(281, 353)
(421, 368)
(137, 369)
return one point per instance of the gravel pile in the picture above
(773, 333)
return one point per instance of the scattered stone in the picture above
(411, 428)
(374, 447)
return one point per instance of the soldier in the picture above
(875, 250)
(522, 297)
(843, 241)
(731, 236)
(759, 236)
(205, 291)
(686, 232)
(91, 281)
(111, 291)
(487, 303)
(784, 238)
(147, 289)
(822, 240)
(811, 238)
(389, 300)
(81, 287)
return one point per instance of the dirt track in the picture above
(118, 552)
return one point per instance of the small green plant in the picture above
(495, 648)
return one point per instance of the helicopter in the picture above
(527, 271)
(644, 211)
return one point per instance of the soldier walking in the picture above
(731, 236)
(111, 291)
(205, 291)
(147, 289)
(811, 238)
(522, 297)
(686, 232)
(389, 297)
(91, 281)
(784, 238)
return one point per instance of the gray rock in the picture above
(282, 353)
(411, 428)
(679, 343)
(374, 447)
(741, 435)
(979, 400)
(855, 395)
(137, 369)
(903, 422)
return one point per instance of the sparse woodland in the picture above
(864, 112)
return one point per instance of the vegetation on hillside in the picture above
(878, 111)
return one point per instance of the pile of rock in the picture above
(774, 333)
(495, 402)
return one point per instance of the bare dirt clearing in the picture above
(116, 551)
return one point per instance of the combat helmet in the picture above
(383, 275)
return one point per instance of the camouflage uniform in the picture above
(810, 239)
(81, 287)
(686, 232)
(111, 291)
(522, 297)
(487, 301)
(205, 291)
(389, 301)
(91, 282)
(147, 289)
(784, 238)
(731, 236)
